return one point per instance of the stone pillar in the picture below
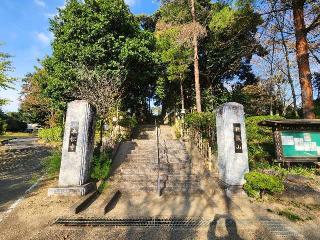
(77, 150)
(232, 144)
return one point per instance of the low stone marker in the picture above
(77, 150)
(232, 144)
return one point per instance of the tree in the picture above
(187, 18)
(175, 53)
(226, 44)
(102, 90)
(105, 37)
(34, 107)
(302, 51)
(5, 68)
(306, 37)
(196, 57)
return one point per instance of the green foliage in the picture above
(34, 107)
(225, 50)
(200, 121)
(290, 215)
(260, 140)
(223, 19)
(128, 122)
(51, 134)
(52, 163)
(259, 183)
(14, 123)
(5, 67)
(300, 170)
(101, 165)
(3, 126)
(225, 59)
(103, 36)
(177, 128)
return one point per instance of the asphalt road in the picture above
(20, 167)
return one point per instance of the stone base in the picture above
(231, 190)
(72, 191)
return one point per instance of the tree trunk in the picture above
(293, 92)
(196, 60)
(302, 51)
(182, 94)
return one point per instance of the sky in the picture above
(24, 31)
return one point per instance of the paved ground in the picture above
(20, 167)
(223, 217)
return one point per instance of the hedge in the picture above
(51, 134)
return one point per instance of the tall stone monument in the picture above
(232, 144)
(77, 150)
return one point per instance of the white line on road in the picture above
(18, 201)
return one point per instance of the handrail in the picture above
(158, 159)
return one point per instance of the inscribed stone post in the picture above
(77, 150)
(232, 144)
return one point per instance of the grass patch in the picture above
(52, 163)
(34, 178)
(299, 170)
(290, 215)
(11, 135)
(101, 165)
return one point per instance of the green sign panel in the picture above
(300, 144)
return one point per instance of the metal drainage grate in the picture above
(280, 229)
(143, 222)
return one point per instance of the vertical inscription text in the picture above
(237, 137)
(74, 131)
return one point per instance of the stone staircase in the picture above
(140, 170)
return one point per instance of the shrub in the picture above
(3, 127)
(260, 139)
(101, 165)
(14, 124)
(51, 134)
(177, 128)
(259, 183)
(52, 163)
(200, 120)
(301, 170)
(128, 122)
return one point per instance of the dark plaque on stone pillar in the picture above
(237, 137)
(74, 131)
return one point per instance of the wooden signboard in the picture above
(296, 140)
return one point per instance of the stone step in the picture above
(154, 158)
(154, 165)
(154, 177)
(137, 168)
(151, 171)
(153, 182)
(167, 189)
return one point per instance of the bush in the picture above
(3, 126)
(300, 170)
(14, 124)
(177, 128)
(201, 120)
(101, 165)
(259, 183)
(52, 163)
(128, 122)
(260, 139)
(51, 134)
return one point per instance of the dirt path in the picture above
(20, 167)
